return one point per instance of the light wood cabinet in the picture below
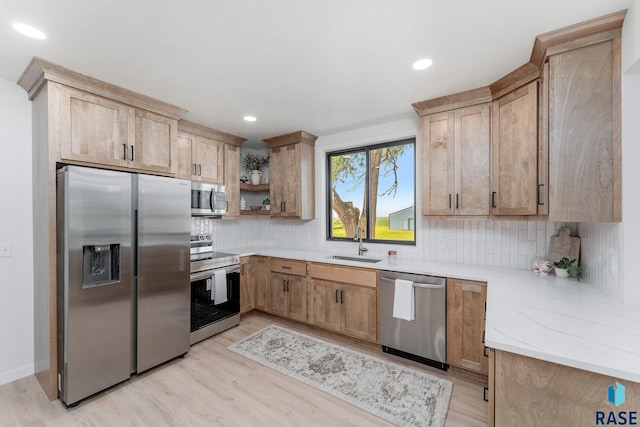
(232, 180)
(517, 188)
(288, 289)
(260, 282)
(344, 299)
(94, 129)
(532, 392)
(292, 181)
(456, 158)
(247, 288)
(466, 304)
(584, 134)
(205, 158)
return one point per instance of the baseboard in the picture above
(16, 374)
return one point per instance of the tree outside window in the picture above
(373, 187)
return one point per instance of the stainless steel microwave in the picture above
(208, 199)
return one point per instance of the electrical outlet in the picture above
(5, 250)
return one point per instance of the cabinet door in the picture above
(247, 290)
(278, 298)
(232, 180)
(515, 152)
(291, 180)
(465, 325)
(276, 163)
(186, 163)
(155, 143)
(210, 160)
(260, 278)
(324, 304)
(472, 158)
(297, 295)
(359, 307)
(437, 164)
(584, 134)
(94, 129)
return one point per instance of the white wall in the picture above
(16, 272)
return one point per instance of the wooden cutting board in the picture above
(563, 245)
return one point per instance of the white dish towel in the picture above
(220, 286)
(403, 300)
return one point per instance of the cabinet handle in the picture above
(493, 199)
(540, 194)
(482, 337)
(284, 285)
(287, 285)
(124, 151)
(341, 297)
(242, 270)
(227, 208)
(286, 267)
(485, 351)
(449, 200)
(199, 170)
(336, 295)
(457, 204)
(195, 168)
(486, 394)
(132, 153)
(284, 208)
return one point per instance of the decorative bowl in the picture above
(255, 207)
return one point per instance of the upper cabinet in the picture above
(584, 134)
(208, 155)
(455, 160)
(94, 129)
(93, 122)
(292, 180)
(555, 134)
(516, 189)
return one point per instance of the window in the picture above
(372, 187)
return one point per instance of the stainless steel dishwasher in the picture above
(425, 338)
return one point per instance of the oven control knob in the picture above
(208, 237)
(201, 237)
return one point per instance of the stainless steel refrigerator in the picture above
(123, 276)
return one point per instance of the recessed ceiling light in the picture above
(29, 31)
(250, 118)
(422, 64)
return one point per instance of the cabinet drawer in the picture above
(289, 266)
(337, 273)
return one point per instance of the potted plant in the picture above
(253, 162)
(267, 204)
(565, 268)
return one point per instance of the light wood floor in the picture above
(213, 386)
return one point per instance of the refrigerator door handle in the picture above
(134, 238)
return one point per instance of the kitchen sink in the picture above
(355, 258)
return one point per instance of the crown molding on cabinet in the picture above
(198, 129)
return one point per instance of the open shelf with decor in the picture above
(254, 188)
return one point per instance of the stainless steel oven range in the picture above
(215, 289)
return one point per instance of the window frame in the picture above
(329, 199)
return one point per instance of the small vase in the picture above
(255, 177)
(267, 207)
(561, 272)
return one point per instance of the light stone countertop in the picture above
(558, 320)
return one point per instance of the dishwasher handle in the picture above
(417, 285)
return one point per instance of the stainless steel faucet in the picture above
(358, 236)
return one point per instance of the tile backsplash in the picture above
(505, 244)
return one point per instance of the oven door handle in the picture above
(209, 273)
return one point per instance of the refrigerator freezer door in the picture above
(94, 292)
(164, 228)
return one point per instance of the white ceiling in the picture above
(318, 65)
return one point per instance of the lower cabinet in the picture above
(288, 296)
(349, 308)
(524, 391)
(260, 282)
(247, 290)
(288, 288)
(466, 305)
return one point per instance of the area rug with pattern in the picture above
(396, 393)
